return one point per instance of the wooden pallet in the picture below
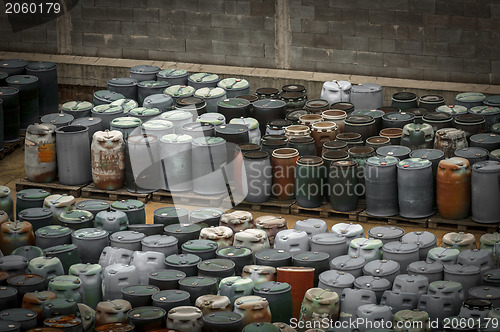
(52, 187)
(91, 191)
(462, 225)
(189, 198)
(9, 147)
(326, 211)
(393, 220)
(273, 205)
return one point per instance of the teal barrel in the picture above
(279, 296)
(28, 98)
(310, 175)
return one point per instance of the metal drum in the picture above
(46, 72)
(148, 88)
(108, 160)
(273, 257)
(450, 139)
(473, 154)
(28, 98)
(381, 186)
(309, 181)
(419, 114)
(30, 198)
(40, 153)
(166, 279)
(171, 215)
(316, 260)
(11, 111)
(144, 72)
(265, 110)
(193, 105)
(485, 192)
(208, 156)
(202, 80)
(186, 263)
(415, 188)
(404, 100)
(198, 286)
(453, 188)
(173, 76)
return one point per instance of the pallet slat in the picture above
(189, 198)
(9, 147)
(52, 187)
(392, 220)
(462, 225)
(272, 205)
(91, 191)
(325, 211)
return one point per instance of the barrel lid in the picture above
(85, 269)
(170, 295)
(198, 281)
(8, 91)
(10, 325)
(422, 239)
(266, 91)
(400, 247)
(77, 106)
(231, 129)
(107, 109)
(269, 103)
(171, 73)
(108, 136)
(57, 118)
(470, 97)
(425, 267)
(233, 103)
(400, 116)
(174, 138)
(485, 138)
(346, 263)
(209, 141)
(216, 264)
(384, 161)
(429, 154)
(65, 282)
(404, 96)
(344, 163)
(179, 91)
(431, 99)
(218, 318)
(485, 110)
(198, 127)
(206, 93)
(207, 213)
(310, 160)
(366, 88)
(271, 287)
(251, 123)
(18, 314)
(213, 118)
(204, 77)
(382, 267)
(127, 236)
(146, 69)
(182, 228)
(469, 118)
(142, 139)
(167, 275)
(154, 84)
(171, 211)
(35, 194)
(146, 313)
(108, 95)
(21, 280)
(90, 234)
(492, 100)
(296, 114)
(13, 63)
(52, 231)
(157, 124)
(328, 238)
(176, 115)
(471, 153)
(462, 269)
(233, 84)
(377, 140)
(22, 79)
(234, 251)
(88, 121)
(311, 256)
(279, 123)
(414, 163)
(92, 204)
(157, 99)
(386, 232)
(488, 166)
(128, 205)
(375, 114)
(76, 216)
(393, 150)
(126, 104)
(138, 290)
(144, 111)
(159, 241)
(122, 81)
(200, 245)
(183, 260)
(35, 213)
(190, 102)
(372, 282)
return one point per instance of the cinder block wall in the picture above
(435, 40)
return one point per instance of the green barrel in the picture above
(29, 252)
(235, 287)
(76, 219)
(279, 296)
(67, 254)
(173, 76)
(78, 109)
(6, 203)
(67, 287)
(11, 113)
(134, 209)
(29, 110)
(310, 176)
(30, 198)
(47, 267)
(13, 66)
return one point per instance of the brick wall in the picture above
(436, 40)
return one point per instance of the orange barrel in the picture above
(454, 188)
(283, 162)
(301, 279)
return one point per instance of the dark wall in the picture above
(441, 40)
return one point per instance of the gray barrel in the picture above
(266, 110)
(398, 151)
(127, 125)
(57, 119)
(469, 99)
(160, 101)
(199, 129)
(158, 127)
(381, 187)
(486, 192)
(73, 155)
(78, 109)
(13, 66)
(194, 105)
(47, 85)
(203, 80)
(125, 86)
(175, 155)
(491, 114)
(142, 169)
(234, 87)
(415, 188)
(212, 97)
(472, 154)
(173, 76)
(208, 156)
(10, 105)
(397, 120)
(144, 113)
(488, 141)
(148, 88)
(234, 108)
(144, 72)
(28, 98)
(179, 91)
(92, 123)
(102, 97)
(126, 104)
(107, 113)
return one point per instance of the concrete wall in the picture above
(435, 40)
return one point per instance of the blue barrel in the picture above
(10, 105)
(28, 98)
(46, 72)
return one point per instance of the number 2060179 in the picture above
(32, 8)
(462, 323)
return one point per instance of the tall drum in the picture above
(40, 153)
(415, 188)
(108, 160)
(208, 158)
(28, 98)
(485, 181)
(73, 155)
(47, 83)
(381, 186)
(10, 105)
(453, 188)
(175, 155)
(142, 168)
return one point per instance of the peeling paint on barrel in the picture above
(108, 160)
(40, 153)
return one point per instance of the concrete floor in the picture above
(12, 168)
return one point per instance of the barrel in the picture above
(148, 88)
(13, 66)
(438, 120)
(294, 100)
(144, 113)
(265, 110)
(310, 175)
(283, 164)
(178, 119)
(366, 96)
(430, 102)
(397, 120)
(3, 78)
(158, 127)
(173, 76)
(107, 113)
(1, 126)
(234, 108)
(491, 115)
(344, 190)
(212, 96)
(343, 106)
(415, 188)
(126, 104)
(179, 91)
(93, 124)
(377, 141)
(78, 109)
(317, 106)
(450, 139)
(393, 134)
(73, 155)
(125, 86)
(470, 123)
(142, 167)
(28, 98)
(485, 192)
(234, 86)
(208, 156)
(404, 100)
(469, 99)
(389, 109)
(40, 153)
(256, 176)
(322, 132)
(144, 72)
(375, 114)
(488, 141)
(254, 134)
(336, 116)
(352, 139)
(237, 165)
(203, 80)
(453, 188)
(473, 154)
(398, 151)
(11, 109)
(418, 136)
(305, 145)
(102, 97)
(46, 72)
(360, 154)
(108, 160)
(57, 119)
(214, 118)
(295, 115)
(418, 113)
(160, 101)
(233, 134)
(198, 129)
(267, 93)
(361, 124)
(433, 155)
(194, 105)
(381, 187)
